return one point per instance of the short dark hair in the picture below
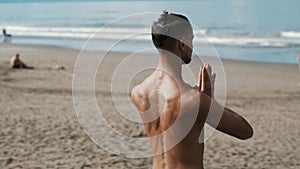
(167, 29)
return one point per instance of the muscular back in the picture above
(169, 109)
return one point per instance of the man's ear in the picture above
(181, 44)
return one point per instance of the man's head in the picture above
(174, 33)
(17, 56)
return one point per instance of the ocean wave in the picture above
(287, 39)
(17, 29)
(251, 42)
(290, 34)
(82, 32)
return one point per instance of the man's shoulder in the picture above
(136, 92)
(138, 96)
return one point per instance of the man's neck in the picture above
(171, 64)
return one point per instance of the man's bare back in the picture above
(173, 111)
(165, 100)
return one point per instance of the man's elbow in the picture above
(247, 133)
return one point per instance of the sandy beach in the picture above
(40, 129)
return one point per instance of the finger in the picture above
(202, 88)
(209, 69)
(209, 72)
(206, 66)
(213, 79)
(213, 85)
(200, 76)
(206, 74)
(206, 81)
(200, 81)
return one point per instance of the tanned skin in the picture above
(165, 97)
(17, 62)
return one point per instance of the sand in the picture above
(40, 129)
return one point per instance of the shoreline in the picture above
(125, 52)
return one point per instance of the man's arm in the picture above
(216, 115)
(223, 118)
(233, 124)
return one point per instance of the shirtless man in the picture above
(164, 99)
(17, 63)
(6, 37)
(5, 34)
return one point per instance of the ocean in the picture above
(265, 31)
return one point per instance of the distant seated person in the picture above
(16, 63)
(59, 67)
